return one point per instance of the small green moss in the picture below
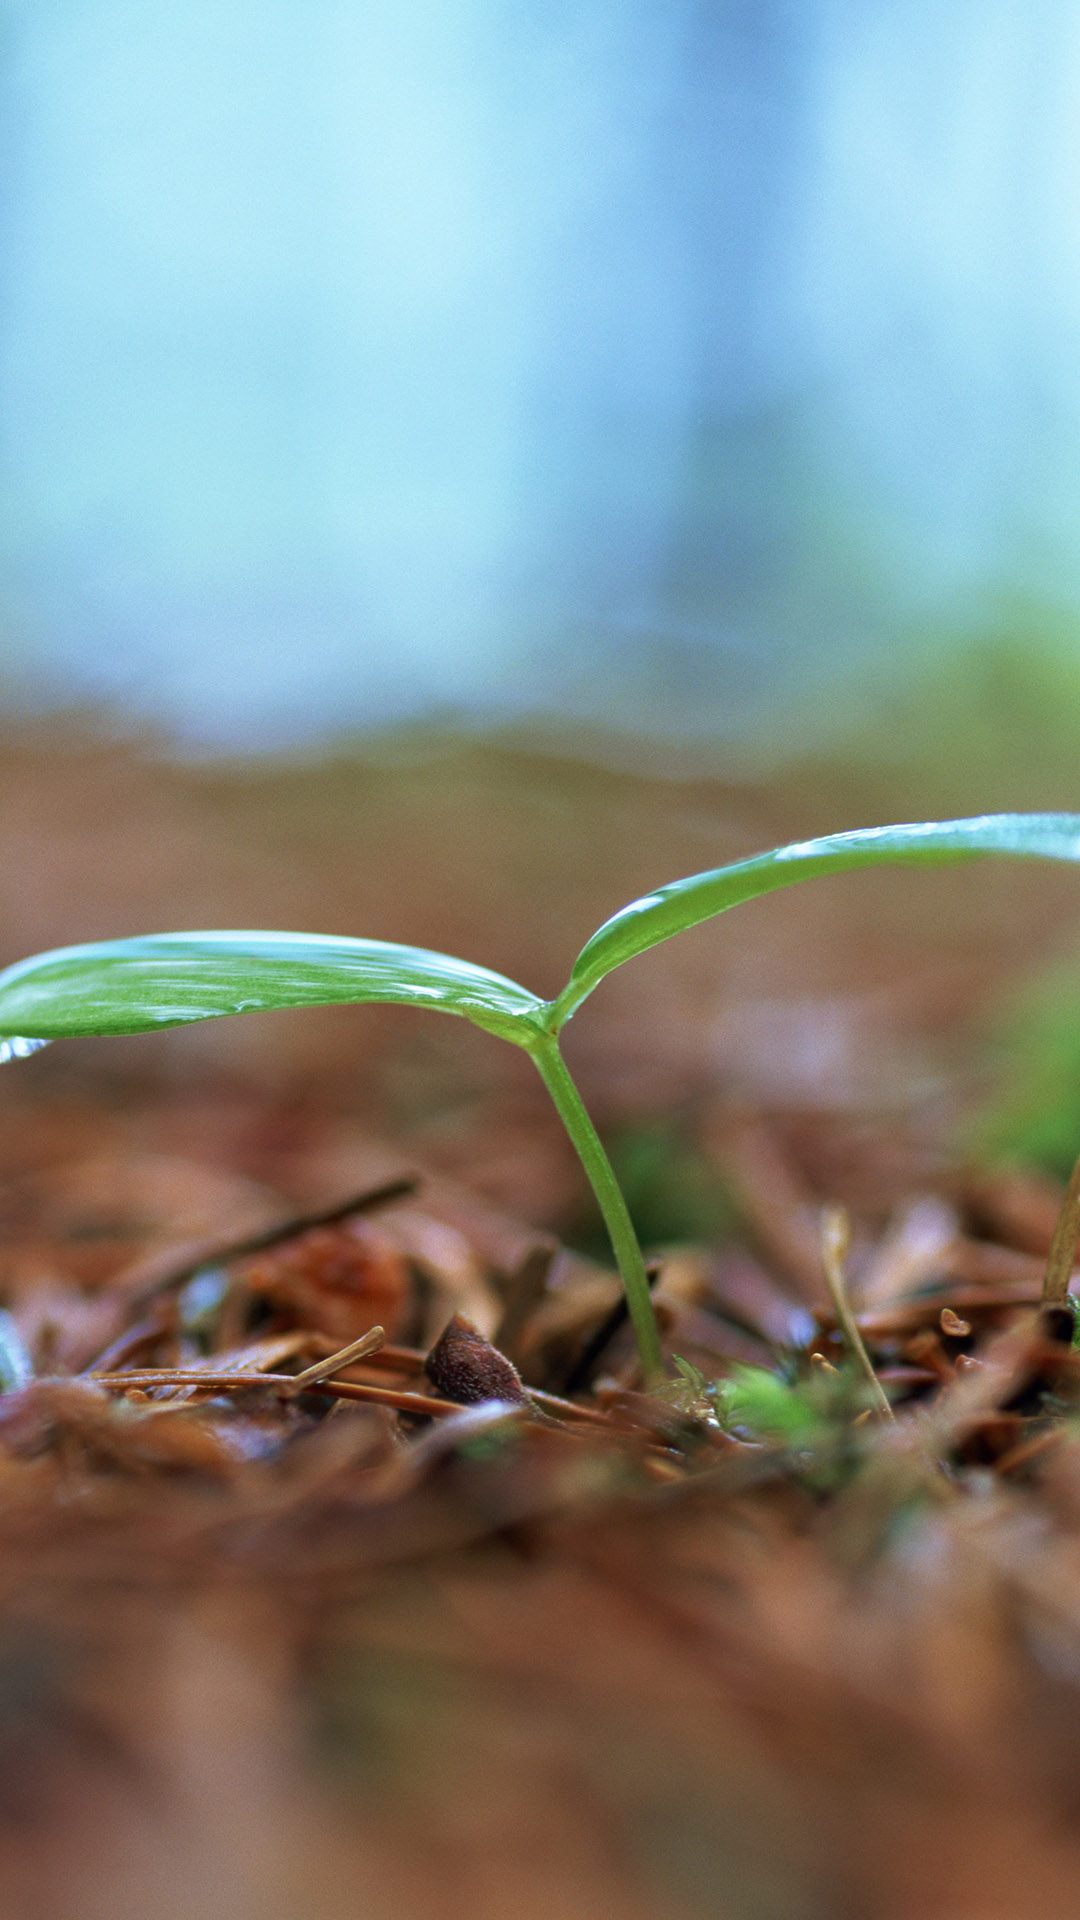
(754, 1401)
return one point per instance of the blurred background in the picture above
(669, 367)
(464, 465)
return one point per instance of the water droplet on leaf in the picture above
(14, 1047)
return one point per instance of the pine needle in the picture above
(835, 1242)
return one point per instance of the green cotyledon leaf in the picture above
(685, 903)
(168, 979)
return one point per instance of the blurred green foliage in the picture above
(985, 715)
(991, 720)
(1033, 1115)
(675, 1194)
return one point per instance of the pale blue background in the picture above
(635, 359)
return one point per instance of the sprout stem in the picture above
(568, 1102)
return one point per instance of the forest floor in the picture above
(374, 1645)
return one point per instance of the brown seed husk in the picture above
(463, 1366)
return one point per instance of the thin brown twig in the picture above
(1029, 1450)
(333, 1363)
(569, 1409)
(835, 1241)
(387, 1397)
(288, 1384)
(282, 1383)
(126, 1345)
(221, 1252)
(412, 1360)
(395, 1359)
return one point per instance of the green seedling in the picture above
(167, 980)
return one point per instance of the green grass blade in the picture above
(685, 903)
(166, 980)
